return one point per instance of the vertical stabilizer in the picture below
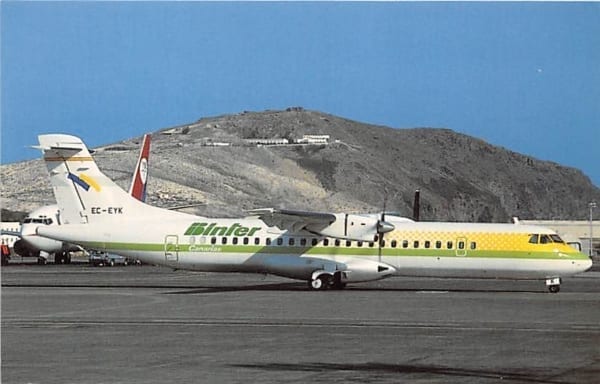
(140, 175)
(83, 193)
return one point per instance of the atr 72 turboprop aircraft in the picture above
(31, 244)
(325, 249)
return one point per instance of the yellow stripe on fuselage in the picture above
(483, 241)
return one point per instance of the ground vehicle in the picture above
(100, 259)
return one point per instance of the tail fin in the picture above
(83, 193)
(140, 176)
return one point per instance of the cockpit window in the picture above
(47, 221)
(556, 239)
(545, 239)
(27, 220)
(534, 239)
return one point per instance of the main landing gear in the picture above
(553, 284)
(326, 281)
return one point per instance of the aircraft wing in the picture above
(294, 221)
(340, 225)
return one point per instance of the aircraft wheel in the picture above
(554, 288)
(315, 284)
(321, 283)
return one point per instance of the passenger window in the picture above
(325, 242)
(371, 244)
(438, 244)
(234, 240)
(268, 241)
(224, 240)
(279, 241)
(473, 245)
(291, 241)
(427, 244)
(461, 245)
(533, 239)
(314, 242)
(449, 245)
(405, 244)
(383, 243)
(348, 243)
(257, 240)
(416, 244)
(359, 243)
(337, 242)
(246, 240)
(303, 242)
(213, 240)
(394, 243)
(544, 239)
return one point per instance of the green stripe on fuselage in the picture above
(330, 251)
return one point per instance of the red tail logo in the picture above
(138, 183)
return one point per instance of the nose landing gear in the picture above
(553, 284)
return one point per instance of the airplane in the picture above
(327, 250)
(32, 245)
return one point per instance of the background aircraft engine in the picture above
(21, 249)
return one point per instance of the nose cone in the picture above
(586, 264)
(384, 226)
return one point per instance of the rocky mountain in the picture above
(211, 164)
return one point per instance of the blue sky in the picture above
(525, 76)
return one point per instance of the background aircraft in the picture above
(32, 245)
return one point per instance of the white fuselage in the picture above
(248, 245)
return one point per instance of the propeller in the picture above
(383, 227)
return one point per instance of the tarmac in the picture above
(80, 324)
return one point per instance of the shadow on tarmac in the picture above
(404, 369)
(291, 286)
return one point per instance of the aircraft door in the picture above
(461, 246)
(171, 248)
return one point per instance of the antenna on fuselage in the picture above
(417, 205)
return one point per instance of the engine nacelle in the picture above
(298, 267)
(353, 227)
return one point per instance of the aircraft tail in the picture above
(140, 176)
(83, 193)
